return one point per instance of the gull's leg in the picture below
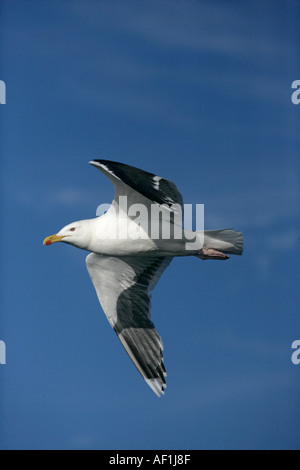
(210, 253)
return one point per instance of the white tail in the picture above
(225, 240)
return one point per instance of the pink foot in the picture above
(210, 253)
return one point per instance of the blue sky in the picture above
(198, 92)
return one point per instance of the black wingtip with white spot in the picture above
(153, 187)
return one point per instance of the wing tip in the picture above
(93, 162)
(157, 386)
(99, 162)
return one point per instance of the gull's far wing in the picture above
(140, 186)
(123, 286)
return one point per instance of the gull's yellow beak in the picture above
(52, 239)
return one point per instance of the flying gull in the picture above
(126, 260)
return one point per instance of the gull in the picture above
(129, 253)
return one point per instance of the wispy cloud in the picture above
(170, 32)
(66, 197)
(239, 387)
(196, 26)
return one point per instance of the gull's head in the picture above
(75, 234)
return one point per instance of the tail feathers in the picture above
(225, 240)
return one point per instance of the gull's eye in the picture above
(72, 229)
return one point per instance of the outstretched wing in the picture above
(140, 186)
(123, 287)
